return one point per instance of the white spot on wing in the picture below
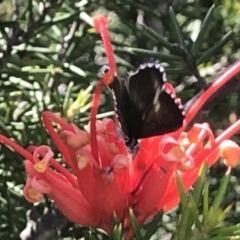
(156, 103)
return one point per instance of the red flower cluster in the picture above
(102, 181)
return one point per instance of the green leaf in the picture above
(221, 191)
(99, 116)
(144, 7)
(93, 236)
(135, 226)
(176, 27)
(217, 238)
(59, 19)
(75, 69)
(209, 53)
(200, 183)
(117, 232)
(205, 201)
(204, 30)
(67, 98)
(224, 213)
(225, 231)
(154, 35)
(193, 206)
(152, 226)
(148, 53)
(183, 195)
(184, 228)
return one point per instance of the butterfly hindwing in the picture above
(163, 117)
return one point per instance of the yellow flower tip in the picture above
(32, 195)
(230, 152)
(113, 148)
(193, 135)
(170, 149)
(82, 160)
(174, 154)
(76, 139)
(233, 118)
(108, 175)
(120, 163)
(101, 127)
(177, 152)
(71, 113)
(185, 143)
(44, 152)
(185, 166)
(42, 165)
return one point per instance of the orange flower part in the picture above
(31, 194)
(170, 149)
(120, 163)
(84, 157)
(76, 139)
(45, 152)
(108, 77)
(230, 152)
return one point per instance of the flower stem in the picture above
(47, 116)
(93, 131)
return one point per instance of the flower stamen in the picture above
(100, 25)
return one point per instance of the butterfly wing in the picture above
(159, 111)
(125, 110)
(163, 117)
(144, 83)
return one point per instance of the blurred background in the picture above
(50, 56)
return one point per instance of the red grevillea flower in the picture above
(102, 181)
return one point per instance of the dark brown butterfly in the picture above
(144, 107)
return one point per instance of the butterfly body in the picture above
(144, 107)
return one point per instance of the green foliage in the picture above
(51, 59)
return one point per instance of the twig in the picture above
(68, 40)
(191, 64)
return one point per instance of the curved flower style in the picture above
(102, 181)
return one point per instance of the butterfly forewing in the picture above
(128, 115)
(144, 84)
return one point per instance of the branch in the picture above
(191, 64)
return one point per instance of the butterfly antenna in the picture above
(100, 25)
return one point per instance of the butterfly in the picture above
(144, 107)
